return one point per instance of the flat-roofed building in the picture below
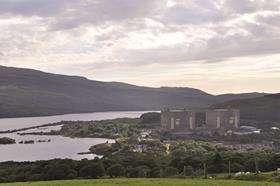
(223, 118)
(186, 120)
(177, 120)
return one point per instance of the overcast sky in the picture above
(215, 45)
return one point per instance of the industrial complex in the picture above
(189, 120)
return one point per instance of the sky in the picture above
(219, 46)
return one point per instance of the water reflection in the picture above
(16, 123)
(59, 146)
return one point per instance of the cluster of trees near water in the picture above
(184, 159)
(6, 141)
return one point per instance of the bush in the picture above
(92, 170)
(236, 167)
(251, 177)
(150, 119)
(116, 170)
(132, 172)
(276, 179)
(155, 172)
(102, 149)
(143, 171)
(189, 171)
(58, 172)
(170, 172)
(5, 141)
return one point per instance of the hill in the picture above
(145, 182)
(260, 108)
(228, 97)
(26, 92)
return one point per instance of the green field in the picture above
(145, 182)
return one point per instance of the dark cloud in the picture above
(186, 15)
(34, 7)
(272, 20)
(68, 14)
(102, 11)
(204, 26)
(237, 46)
(241, 6)
(250, 6)
(194, 12)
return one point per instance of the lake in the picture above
(17, 123)
(59, 146)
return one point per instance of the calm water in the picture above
(59, 146)
(16, 123)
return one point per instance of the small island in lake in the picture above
(7, 141)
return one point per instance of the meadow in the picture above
(145, 182)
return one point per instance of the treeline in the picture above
(133, 164)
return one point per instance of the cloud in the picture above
(111, 37)
(68, 14)
(34, 7)
(269, 20)
(193, 12)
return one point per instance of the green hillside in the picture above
(26, 92)
(261, 108)
(145, 182)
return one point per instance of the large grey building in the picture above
(223, 118)
(186, 120)
(177, 119)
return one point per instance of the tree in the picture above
(116, 170)
(6, 140)
(150, 119)
(60, 171)
(236, 167)
(143, 171)
(132, 172)
(170, 171)
(217, 164)
(189, 170)
(155, 172)
(92, 170)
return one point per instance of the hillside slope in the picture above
(261, 108)
(26, 92)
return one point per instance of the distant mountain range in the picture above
(261, 108)
(26, 92)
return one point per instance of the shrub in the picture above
(155, 172)
(116, 170)
(92, 170)
(276, 179)
(150, 119)
(143, 171)
(170, 172)
(6, 140)
(251, 177)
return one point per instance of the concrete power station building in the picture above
(187, 120)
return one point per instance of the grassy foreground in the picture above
(145, 182)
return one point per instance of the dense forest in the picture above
(185, 159)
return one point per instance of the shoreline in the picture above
(75, 113)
